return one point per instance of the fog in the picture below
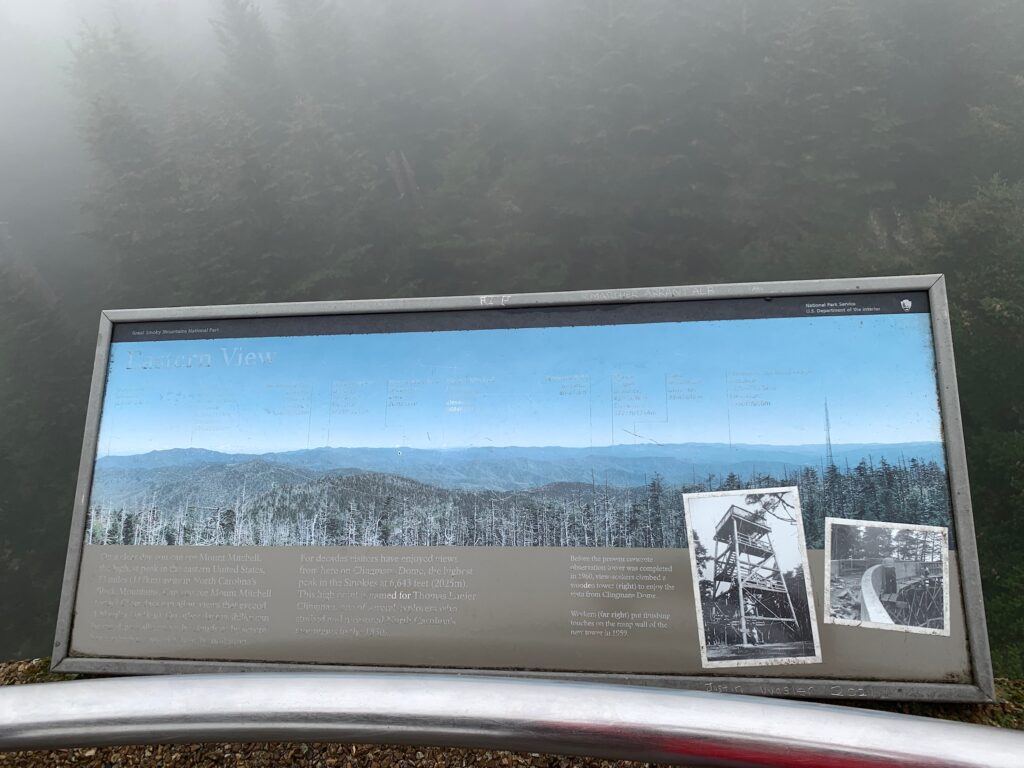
(159, 153)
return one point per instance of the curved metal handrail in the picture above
(504, 713)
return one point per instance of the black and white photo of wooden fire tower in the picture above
(752, 605)
(751, 581)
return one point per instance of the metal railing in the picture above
(597, 719)
(750, 541)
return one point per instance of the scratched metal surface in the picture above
(547, 716)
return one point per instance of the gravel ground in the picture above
(1007, 712)
(302, 755)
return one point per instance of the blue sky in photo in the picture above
(741, 381)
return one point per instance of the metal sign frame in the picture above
(981, 688)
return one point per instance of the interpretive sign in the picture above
(752, 488)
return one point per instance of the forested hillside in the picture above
(258, 503)
(308, 149)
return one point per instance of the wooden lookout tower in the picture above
(751, 601)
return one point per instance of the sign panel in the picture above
(757, 488)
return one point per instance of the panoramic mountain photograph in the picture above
(576, 436)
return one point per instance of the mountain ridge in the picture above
(518, 467)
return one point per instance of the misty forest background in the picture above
(318, 150)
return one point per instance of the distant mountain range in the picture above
(499, 469)
(511, 496)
